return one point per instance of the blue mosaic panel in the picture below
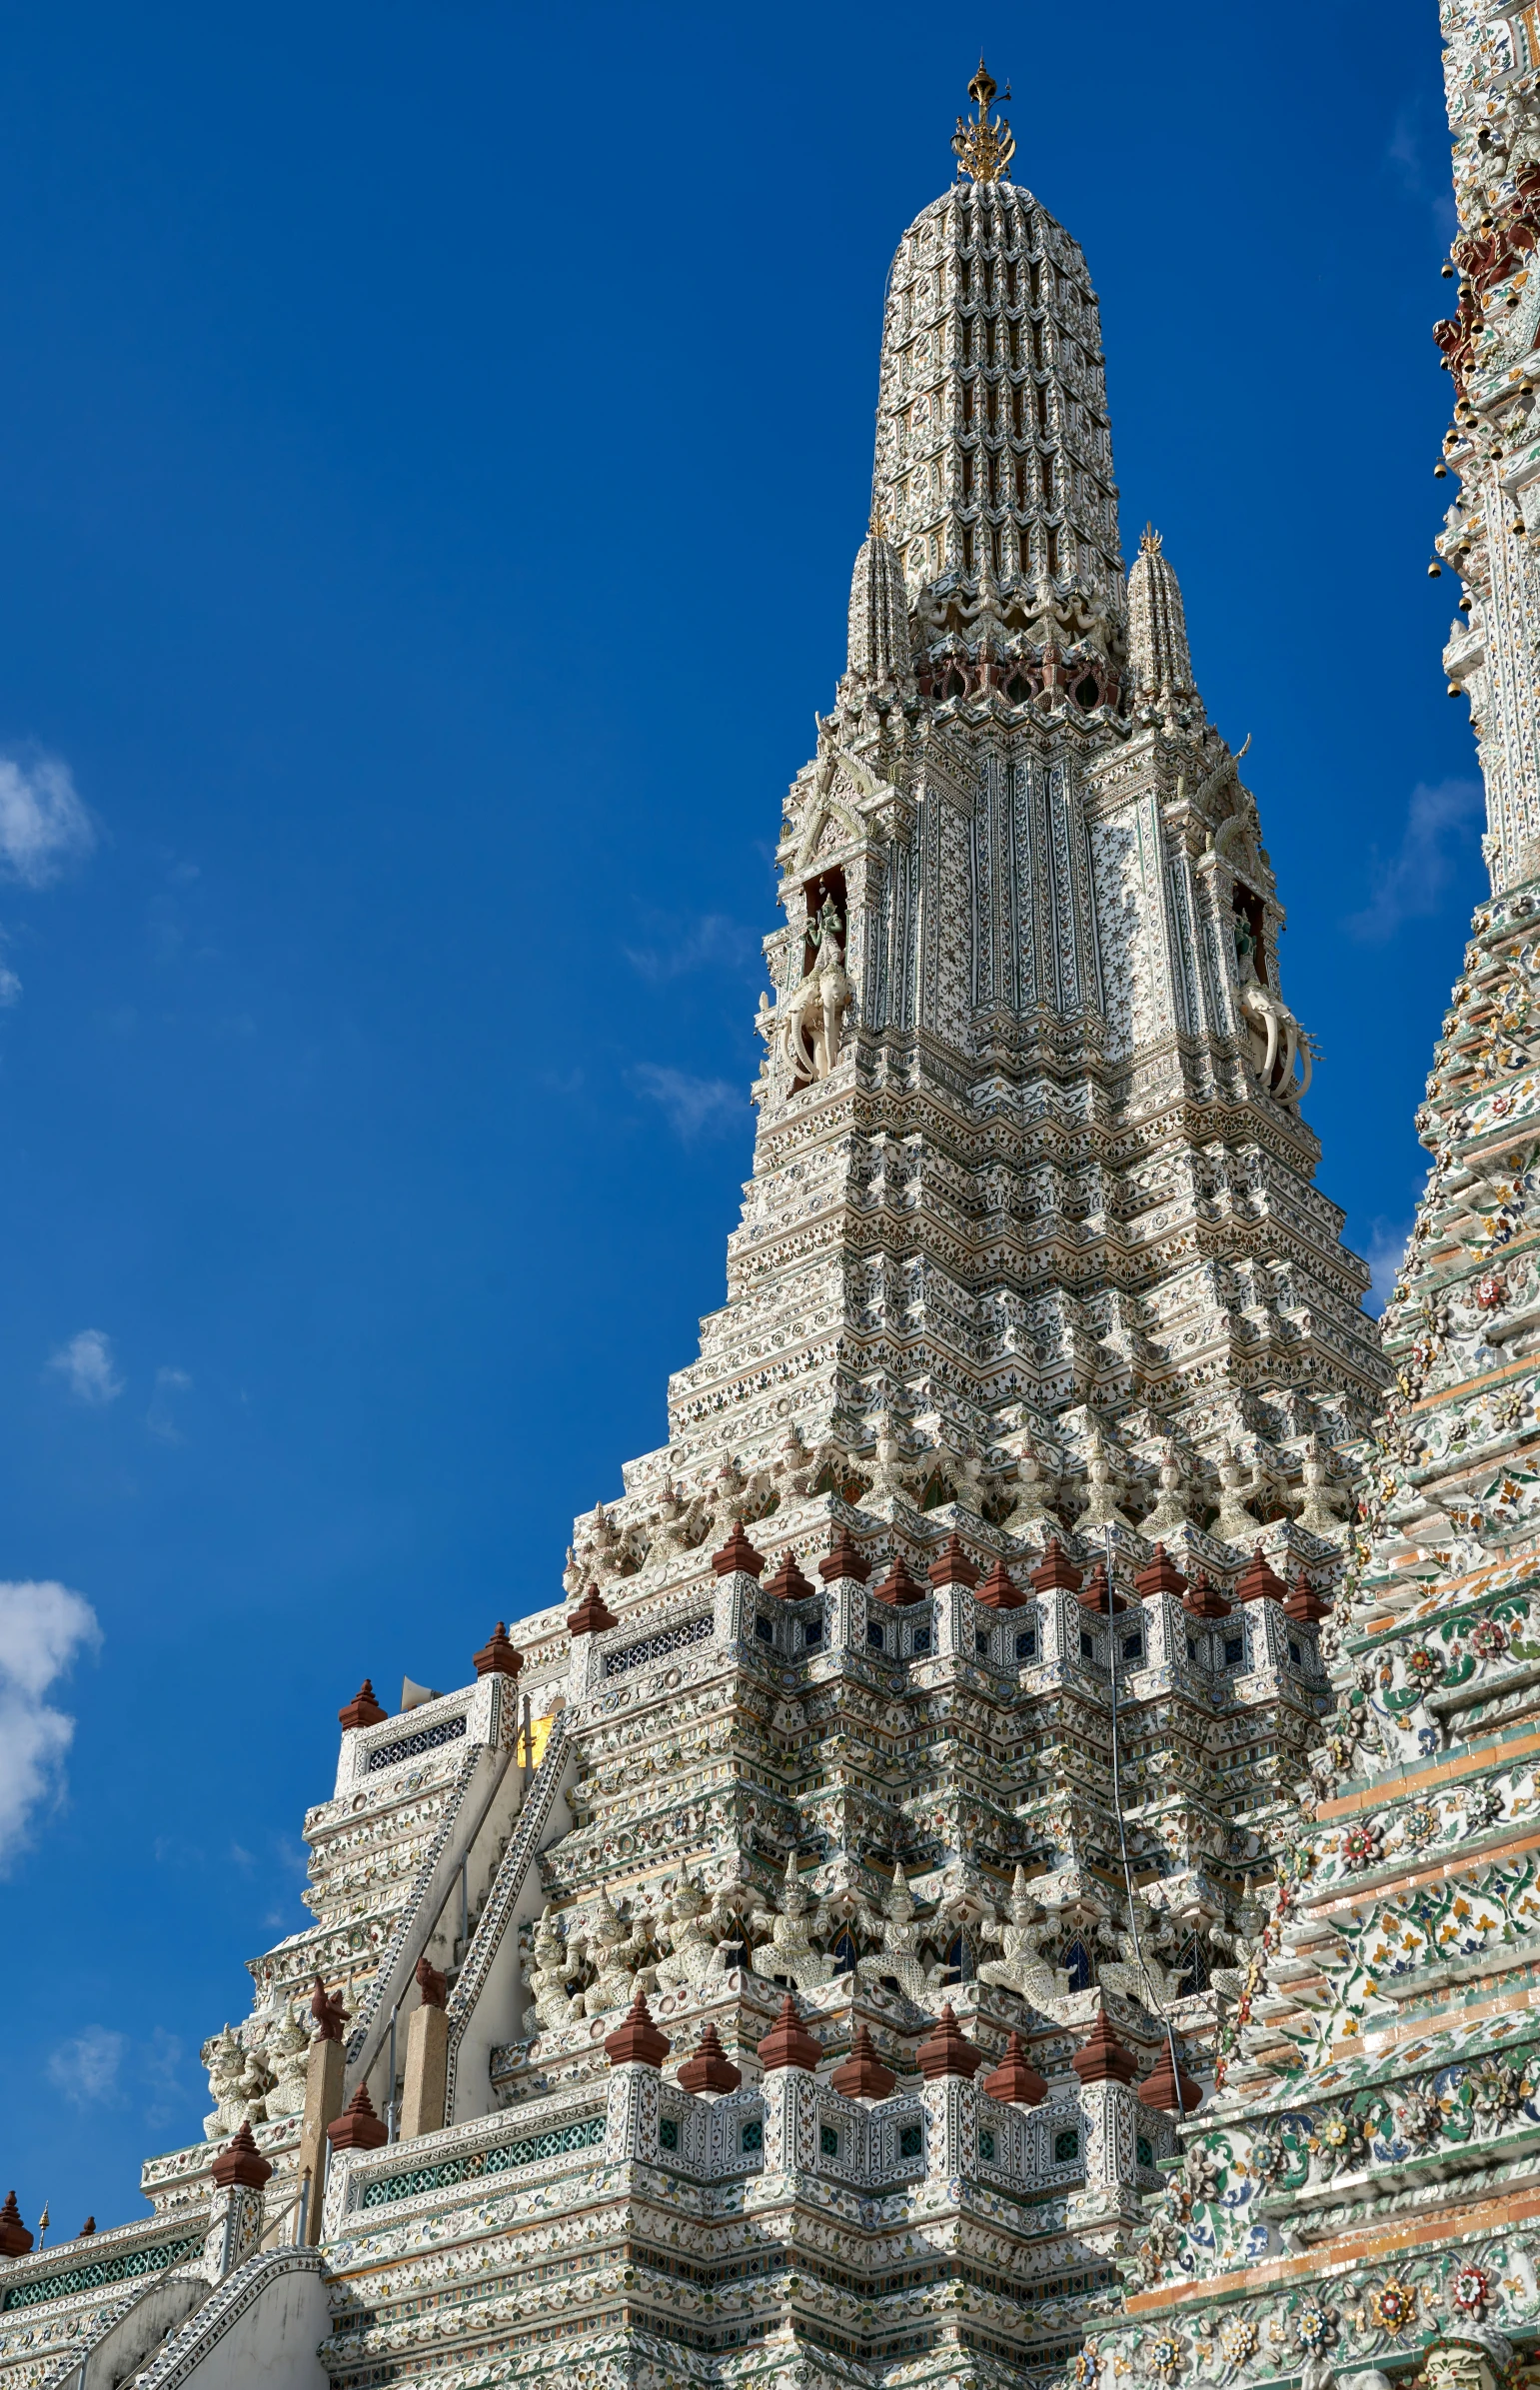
(586, 2132)
(95, 2275)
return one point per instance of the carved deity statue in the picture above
(1102, 1485)
(1276, 1040)
(1319, 1504)
(1141, 1973)
(1033, 1486)
(899, 1957)
(1236, 1523)
(1021, 1966)
(288, 2054)
(553, 1973)
(1174, 1503)
(1244, 1941)
(816, 1009)
(611, 1948)
(692, 1929)
(238, 2085)
(790, 1953)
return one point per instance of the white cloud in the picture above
(160, 1418)
(694, 1105)
(10, 987)
(713, 938)
(1440, 833)
(86, 1365)
(1387, 1251)
(86, 2069)
(42, 1627)
(44, 827)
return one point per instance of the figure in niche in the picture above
(898, 1959)
(288, 2053)
(817, 1007)
(1275, 1037)
(693, 1930)
(611, 1948)
(1021, 1966)
(551, 1977)
(788, 1956)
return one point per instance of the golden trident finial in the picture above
(984, 145)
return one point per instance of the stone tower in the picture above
(789, 1955)
(1356, 2201)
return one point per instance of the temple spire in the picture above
(1157, 628)
(878, 646)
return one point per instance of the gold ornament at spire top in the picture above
(984, 145)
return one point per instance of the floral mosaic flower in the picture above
(1084, 2369)
(1268, 2160)
(1360, 1845)
(1420, 2116)
(1394, 2305)
(1314, 2329)
(1489, 1639)
(1496, 2092)
(1168, 2357)
(1491, 1291)
(1471, 2289)
(1238, 2340)
(1420, 1826)
(1424, 1665)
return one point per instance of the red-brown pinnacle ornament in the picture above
(1161, 1576)
(1016, 2078)
(1259, 1581)
(1103, 2058)
(845, 1559)
(998, 1590)
(358, 2127)
(1159, 2090)
(362, 1710)
(1096, 1594)
(241, 2161)
(863, 2076)
(951, 1566)
(497, 1657)
(15, 2240)
(789, 2042)
(738, 1556)
(638, 2042)
(593, 1615)
(710, 2069)
(946, 2051)
(787, 1580)
(86, 2229)
(897, 1588)
(1203, 1600)
(1302, 1604)
(433, 1986)
(1055, 1573)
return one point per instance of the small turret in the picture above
(879, 612)
(1158, 653)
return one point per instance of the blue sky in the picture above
(428, 481)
